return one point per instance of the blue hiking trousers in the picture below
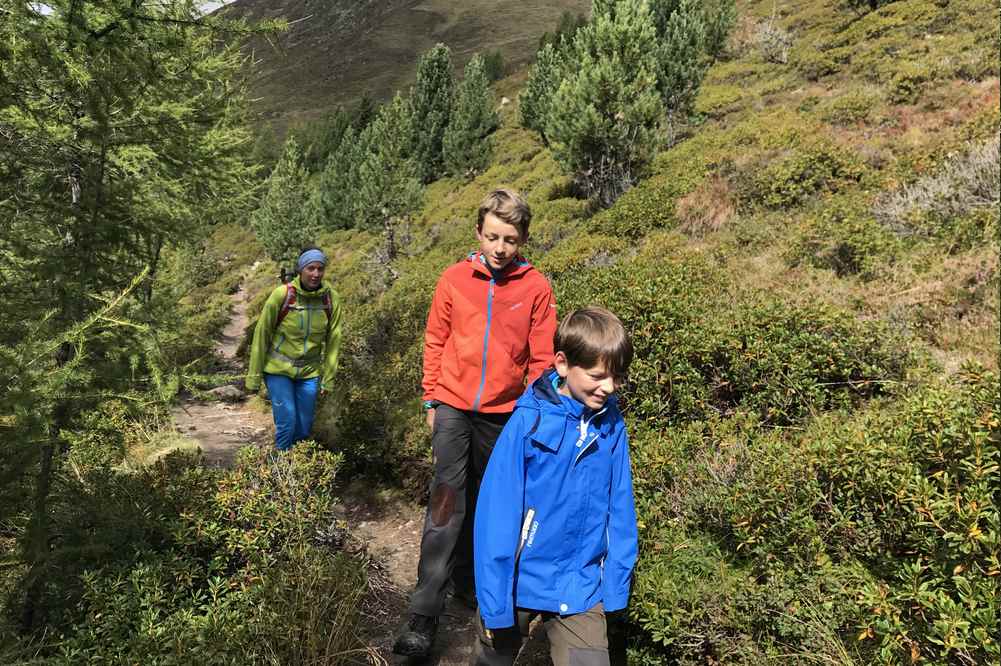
(293, 404)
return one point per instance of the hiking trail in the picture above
(383, 526)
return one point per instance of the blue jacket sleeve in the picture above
(623, 538)
(497, 526)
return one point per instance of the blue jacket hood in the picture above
(555, 526)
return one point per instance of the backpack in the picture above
(290, 298)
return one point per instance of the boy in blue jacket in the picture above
(555, 529)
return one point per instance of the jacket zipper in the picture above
(486, 341)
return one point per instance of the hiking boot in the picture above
(416, 639)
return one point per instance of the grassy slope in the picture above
(336, 51)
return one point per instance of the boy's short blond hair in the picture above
(593, 335)
(507, 206)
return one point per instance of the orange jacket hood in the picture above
(487, 336)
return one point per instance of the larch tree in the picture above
(121, 132)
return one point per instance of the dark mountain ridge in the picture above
(336, 51)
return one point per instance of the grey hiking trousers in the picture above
(461, 442)
(574, 640)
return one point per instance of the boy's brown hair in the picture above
(508, 206)
(591, 335)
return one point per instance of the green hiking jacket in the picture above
(304, 345)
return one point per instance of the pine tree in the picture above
(388, 183)
(333, 200)
(430, 105)
(681, 54)
(605, 114)
(466, 145)
(281, 222)
(543, 80)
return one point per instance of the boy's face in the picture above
(499, 241)
(589, 386)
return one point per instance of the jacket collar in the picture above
(303, 292)
(556, 413)
(517, 266)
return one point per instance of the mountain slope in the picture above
(339, 50)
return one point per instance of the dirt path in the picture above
(222, 425)
(384, 527)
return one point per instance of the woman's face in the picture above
(311, 275)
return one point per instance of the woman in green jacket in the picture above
(295, 347)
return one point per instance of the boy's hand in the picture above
(430, 418)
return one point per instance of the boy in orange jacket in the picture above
(489, 333)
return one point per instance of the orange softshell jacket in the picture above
(486, 338)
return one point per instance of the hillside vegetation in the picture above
(805, 250)
(810, 273)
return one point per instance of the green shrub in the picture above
(219, 567)
(815, 64)
(915, 490)
(705, 346)
(810, 170)
(907, 82)
(872, 539)
(647, 207)
(843, 238)
(851, 108)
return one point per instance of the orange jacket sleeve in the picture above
(436, 333)
(540, 337)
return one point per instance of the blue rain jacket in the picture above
(555, 525)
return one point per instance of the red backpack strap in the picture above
(328, 306)
(286, 304)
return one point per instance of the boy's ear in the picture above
(562, 364)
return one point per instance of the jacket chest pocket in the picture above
(513, 316)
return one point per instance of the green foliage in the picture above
(388, 176)
(279, 221)
(333, 195)
(860, 540)
(907, 81)
(605, 114)
(223, 565)
(493, 65)
(647, 207)
(705, 346)
(851, 108)
(815, 168)
(536, 97)
(917, 489)
(567, 27)
(681, 32)
(720, 17)
(429, 106)
(321, 137)
(466, 145)
(844, 238)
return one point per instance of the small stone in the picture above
(228, 393)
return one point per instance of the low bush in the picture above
(959, 203)
(809, 170)
(706, 346)
(208, 567)
(866, 539)
(845, 238)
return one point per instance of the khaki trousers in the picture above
(574, 640)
